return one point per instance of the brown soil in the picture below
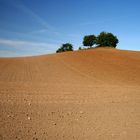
(82, 95)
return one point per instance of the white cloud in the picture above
(19, 43)
(6, 53)
(27, 47)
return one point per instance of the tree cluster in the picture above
(104, 39)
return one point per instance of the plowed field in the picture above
(82, 95)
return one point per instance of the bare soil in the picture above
(81, 95)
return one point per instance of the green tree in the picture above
(89, 40)
(80, 48)
(65, 47)
(107, 40)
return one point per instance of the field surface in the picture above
(82, 95)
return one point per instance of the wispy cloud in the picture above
(33, 34)
(19, 43)
(31, 13)
(27, 47)
(52, 32)
(18, 4)
(7, 53)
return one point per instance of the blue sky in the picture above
(34, 27)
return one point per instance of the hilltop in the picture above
(88, 94)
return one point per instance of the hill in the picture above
(87, 94)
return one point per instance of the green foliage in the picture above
(89, 40)
(107, 40)
(65, 47)
(104, 39)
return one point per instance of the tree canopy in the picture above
(105, 39)
(65, 47)
(89, 40)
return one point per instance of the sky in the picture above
(36, 27)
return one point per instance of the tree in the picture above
(89, 40)
(107, 40)
(80, 48)
(65, 47)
